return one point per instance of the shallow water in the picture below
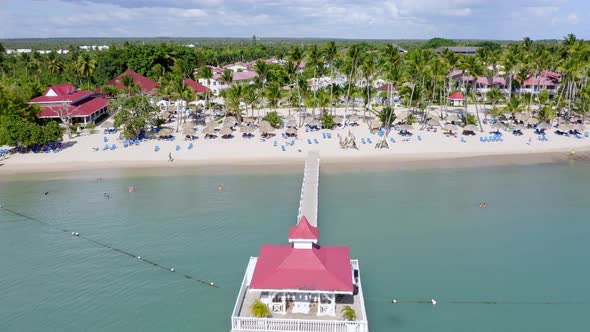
(418, 235)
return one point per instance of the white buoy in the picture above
(211, 283)
(73, 233)
(394, 301)
(433, 302)
(171, 270)
(138, 257)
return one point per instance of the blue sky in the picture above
(380, 19)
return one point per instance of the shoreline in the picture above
(271, 164)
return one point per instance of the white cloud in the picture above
(573, 18)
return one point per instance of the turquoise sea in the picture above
(419, 234)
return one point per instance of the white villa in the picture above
(241, 73)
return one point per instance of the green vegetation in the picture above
(259, 309)
(134, 114)
(348, 313)
(274, 119)
(327, 120)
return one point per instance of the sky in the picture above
(355, 19)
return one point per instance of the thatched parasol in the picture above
(291, 131)
(165, 132)
(531, 121)
(470, 128)
(453, 118)
(247, 129)
(434, 116)
(499, 126)
(291, 118)
(401, 115)
(188, 131)
(578, 127)
(229, 121)
(338, 119)
(249, 120)
(544, 126)
(265, 127)
(208, 131)
(565, 127)
(291, 124)
(375, 124)
(353, 118)
(314, 123)
(213, 124)
(451, 127)
(406, 127)
(308, 120)
(521, 116)
(433, 123)
(225, 131)
(165, 115)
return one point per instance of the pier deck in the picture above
(308, 204)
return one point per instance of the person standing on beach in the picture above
(170, 159)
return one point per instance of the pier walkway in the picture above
(308, 203)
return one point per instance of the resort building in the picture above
(65, 100)
(545, 80)
(197, 87)
(239, 76)
(145, 84)
(305, 286)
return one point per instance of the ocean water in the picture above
(419, 234)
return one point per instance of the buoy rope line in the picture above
(435, 302)
(104, 245)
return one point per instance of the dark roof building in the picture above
(464, 50)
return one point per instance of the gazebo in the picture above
(302, 273)
(457, 99)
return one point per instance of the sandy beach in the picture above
(424, 148)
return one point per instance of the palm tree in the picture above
(251, 97)
(182, 93)
(53, 63)
(227, 76)
(330, 52)
(262, 69)
(85, 65)
(348, 313)
(207, 74)
(259, 309)
(274, 93)
(233, 99)
(392, 60)
(296, 56)
(353, 57)
(474, 67)
(128, 83)
(314, 60)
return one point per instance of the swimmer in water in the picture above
(107, 196)
(131, 189)
(220, 187)
(46, 193)
(483, 205)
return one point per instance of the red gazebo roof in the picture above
(196, 86)
(386, 87)
(61, 93)
(303, 231)
(457, 96)
(325, 269)
(85, 108)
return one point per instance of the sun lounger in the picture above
(275, 143)
(106, 147)
(113, 147)
(178, 148)
(363, 140)
(283, 148)
(105, 139)
(419, 137)
(292, 142)
(157, 148)
(369, 140)
(308, 141)
(464, 141)
(315, 140)
(125, 144)
(190, 146)
(392, 139)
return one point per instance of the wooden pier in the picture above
(308, 203)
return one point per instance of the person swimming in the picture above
(131, 189)
(107, 196)
(482, 205)
(220, 187)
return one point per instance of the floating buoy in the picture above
(138, 257)
(433, 302)
(171, 270)
(211, 283)
(77, 234)
(394, 301)
(73, 233)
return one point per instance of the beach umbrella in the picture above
(187, 131)
(291, 118)
(499, 126)
(291, 131)
(565, 127)
(208, 131)
(544, 126)
(531, 121)
(187, 125)
(165, 132)
(247, 129)
(338, 119)
(225, 131)
(451, 127)
(375, 124)
(229, 121)
(314, 123)
(265, 127)
(470, 128)
(213, 124)
(453, 118)
(521, 116)
(291, 123)
(249, 120)
(406, 127)
(433, 123)
(353, 118)
(434, 116)
(579, 127)
(307, 120)
(401, 115)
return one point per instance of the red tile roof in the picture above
(85, 108)
(325, 269)
(539, 81)
(386, 87)
(303, 231)
(196, 86)
(65, 93)
(457, 96)
(146, 85)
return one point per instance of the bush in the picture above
(90, 126)
(348, 313)
(327, 121)
(274, 119)
(469, 119)
(259, 309)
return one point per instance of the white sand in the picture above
(241, 151)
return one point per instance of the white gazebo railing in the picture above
(296, 325)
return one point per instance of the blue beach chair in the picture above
(190, 146)
(363, 141)
(369, 140)
(125, 144)
(157, 148)
(283, 148)
(105, 139)
(419, 137)
(315, 140)
(275, 143)
(308, 141)
(177, 147)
